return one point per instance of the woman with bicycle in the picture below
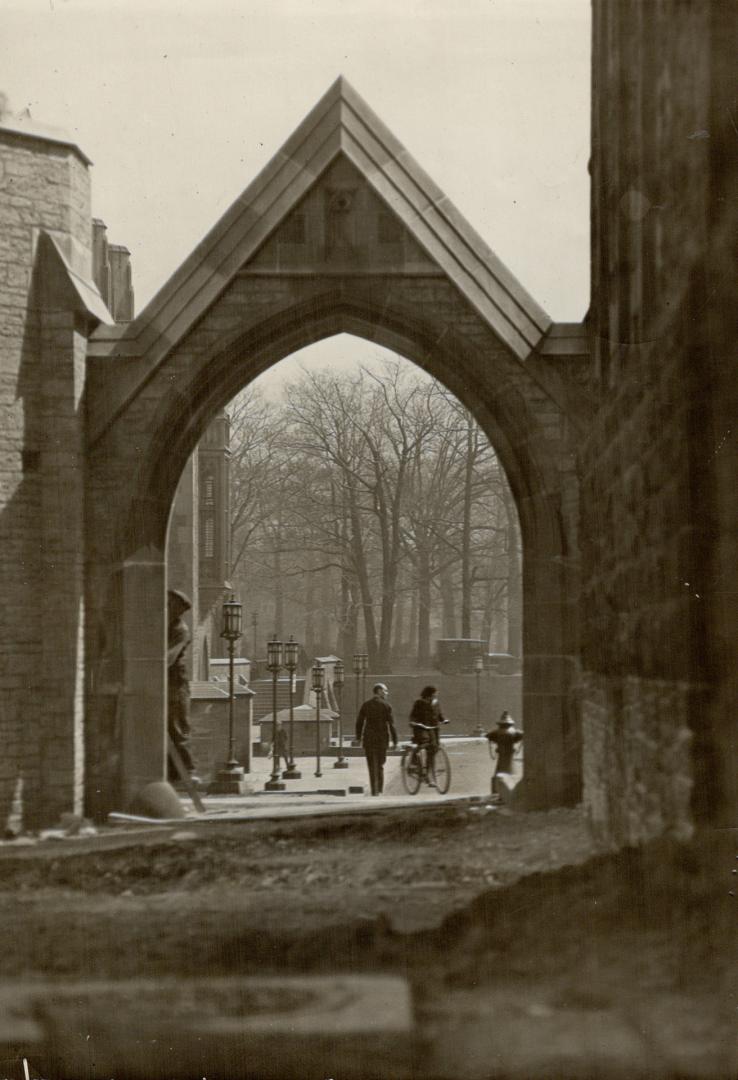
(425, 720)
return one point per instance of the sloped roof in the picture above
(81, 293)
(340, 123)
(26, 127)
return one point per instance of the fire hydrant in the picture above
(505, 738)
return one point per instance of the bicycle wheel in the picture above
(441, 770)
(410, 769)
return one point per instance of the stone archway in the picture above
(341, 233)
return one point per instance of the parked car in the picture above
(502, 663)
(458, 656)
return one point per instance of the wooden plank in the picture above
(184, 776)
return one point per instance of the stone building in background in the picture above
(198, 555)
(198, 543)
(617, 434)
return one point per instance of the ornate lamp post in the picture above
(364, 668)
(338, 681)
(478, 669)
(361, 666)
(358, 668)
(318, 674)
(254, 633)
(291, 656)
(357, 673)
(230, 779)
(274, 664)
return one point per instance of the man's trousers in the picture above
(375, 759)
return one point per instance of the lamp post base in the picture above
(292, 773)
(230, 780)
(342, 763)
(274, 784)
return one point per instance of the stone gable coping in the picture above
(340, 123)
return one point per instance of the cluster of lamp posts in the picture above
(286, 655)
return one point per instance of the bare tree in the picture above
(358, 493)
(256, 468)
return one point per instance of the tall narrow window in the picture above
(208, 518)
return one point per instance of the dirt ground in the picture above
(181, 900)
(528, 953)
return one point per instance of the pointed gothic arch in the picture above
(342, 232)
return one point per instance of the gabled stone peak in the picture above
(340, 124)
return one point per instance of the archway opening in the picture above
(190, 395)
(349, 500)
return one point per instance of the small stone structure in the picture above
(305, 735)
(198, 543)
(219, 668)
(209, 715)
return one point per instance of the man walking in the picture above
(374, 730)
(283, 749)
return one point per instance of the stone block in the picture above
(548, 674)
(545, 629)
(270, 1027)
(157, 800)
(551, 776)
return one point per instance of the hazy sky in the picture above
(180, 103)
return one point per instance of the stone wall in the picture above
(44, 185)
(652, 521)
(199, 570)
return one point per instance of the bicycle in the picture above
(416, 768)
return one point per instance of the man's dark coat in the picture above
(374, 725)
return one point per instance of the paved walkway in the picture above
(471, 770)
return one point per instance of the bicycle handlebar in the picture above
(428, 727)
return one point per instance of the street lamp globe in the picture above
(232, 619)
(274, 654)
(338, 673)
(291, 653)
(318, 674)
